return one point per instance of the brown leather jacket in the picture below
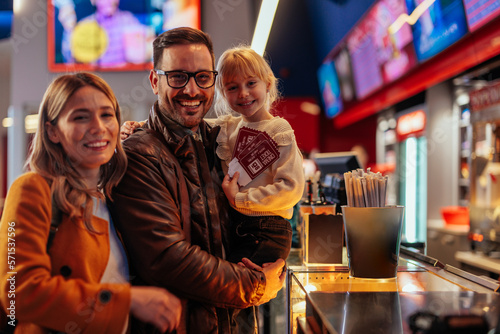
(172, 214)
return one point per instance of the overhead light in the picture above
(264, 24)
(310, 108)
(18, 5)
(383, 125)
(463, 99)
(30, 123)
(7, 122)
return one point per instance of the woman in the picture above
(78, 281)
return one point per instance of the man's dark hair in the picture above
(177, 36)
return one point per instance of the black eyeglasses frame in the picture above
(190, 75)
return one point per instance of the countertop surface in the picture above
(441, 226)
(328, 296)
(391, 312)
(479, 260)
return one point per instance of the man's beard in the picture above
(169, 110)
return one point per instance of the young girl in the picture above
(75, 277)
(247, 86)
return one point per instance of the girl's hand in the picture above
(128, 128)
(230, 187)
(156, 306)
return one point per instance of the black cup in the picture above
(373, 237)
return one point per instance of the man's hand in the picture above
(230, 187)
(156, 306)
(128, 128)
(275, 276)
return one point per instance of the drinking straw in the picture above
(348, 188)
(366, 195)
(371, 189)
(383, 186)
(377, 189)
(365, 189)
(359, 190)
(355, 180)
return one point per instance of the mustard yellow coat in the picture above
(59, 290)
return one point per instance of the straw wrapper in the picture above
(365, 189)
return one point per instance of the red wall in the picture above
(315, 132)
(302, 115)
(340, 140)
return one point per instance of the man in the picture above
(170, 208)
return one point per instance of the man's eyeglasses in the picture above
(179, 79)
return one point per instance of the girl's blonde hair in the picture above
(69, 191)
(244, 61)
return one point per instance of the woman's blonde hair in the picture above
(69, 191)
(244, 61)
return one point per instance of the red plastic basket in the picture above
(455, 215)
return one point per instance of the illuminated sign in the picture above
(485, 97)
(411, 125)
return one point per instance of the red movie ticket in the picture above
(254, 157)
(260, 158)
(245, 136)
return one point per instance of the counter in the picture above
(444, 241)
(451, 245)
(478, 263)
(326, 300)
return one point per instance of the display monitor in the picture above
(441, 24)
(332, 167)
(379, 56)
(336, 163)
(111, 35)
(479, 13)
(6, 16)
(330, 89)
(343, 66)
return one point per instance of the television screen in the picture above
(111, 35)
(329, 88)
(6, 15)
(480, 12)
(366, 72)
(342, 63)
(440, 25)
(379, 57)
